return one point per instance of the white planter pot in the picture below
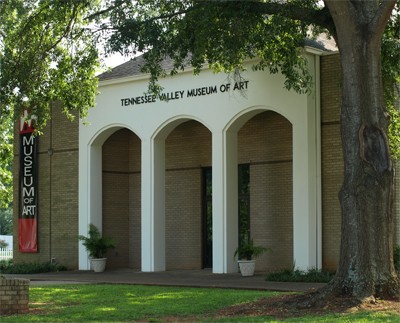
(98, 264)
(247, 267)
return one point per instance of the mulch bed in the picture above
(293, 305)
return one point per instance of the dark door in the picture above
(243, 210)
(244, 203)
(207, 217)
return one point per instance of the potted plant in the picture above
(97, 246)
(247, 252)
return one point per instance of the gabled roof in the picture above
(133, 66)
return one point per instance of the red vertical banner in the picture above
(28, 188)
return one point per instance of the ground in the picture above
(286, 306)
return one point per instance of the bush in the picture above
(312, 275)
(8, 267)
(3, 244)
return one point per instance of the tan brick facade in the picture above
(264, 142)
(14, 296)
(188, 150)
(331, 159)
(121, 198)
(58, 193)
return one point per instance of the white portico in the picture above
(223, 106)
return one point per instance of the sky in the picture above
(115, 60)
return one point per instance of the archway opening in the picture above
(121, 200)
(187, 155)
(265, 144)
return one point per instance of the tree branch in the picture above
(320, 17)
(102, 12)
(382, 16)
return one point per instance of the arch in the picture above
(90, 182)
(121, 213)
(153, 194)
(239, 119)
(102, 134)
(306, 248)
(165, 128)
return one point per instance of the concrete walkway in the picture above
(188, 278)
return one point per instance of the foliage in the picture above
(219, 34)
(391, 80)
(3, 244)
(47, 53)
(6, 221)
(6, 160)
(9, 267)
(95, 244)
(313, 275)
(248, 251)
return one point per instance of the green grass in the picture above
(130, 303)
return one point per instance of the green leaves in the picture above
(6, 160)
(95, 244)
(48, 53)
(220, 34)
(391, 78)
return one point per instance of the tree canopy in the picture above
(48, 52)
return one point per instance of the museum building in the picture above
(177, 180)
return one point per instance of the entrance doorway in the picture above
(243, 210)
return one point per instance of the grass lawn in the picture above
(130, 303)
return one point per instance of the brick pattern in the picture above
(121, 201)
(187, 150)
(271, 221)
(265, 142)
(14, 296)
(183, 219)
(58, 193)
(331, 160)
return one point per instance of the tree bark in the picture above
(366, 257)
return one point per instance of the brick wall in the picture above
(58, 193)
(265, 142)
(187, 150)
(14, 296)
(121, 201)
(331, 159)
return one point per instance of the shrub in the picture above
(3, 244)
(8, 267)
(312, 275)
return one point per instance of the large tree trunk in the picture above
(366, 256)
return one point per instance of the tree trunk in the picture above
(366, 257)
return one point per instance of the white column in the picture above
(153, 205)
(90, 195)
(225, 203)
(305, 187)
